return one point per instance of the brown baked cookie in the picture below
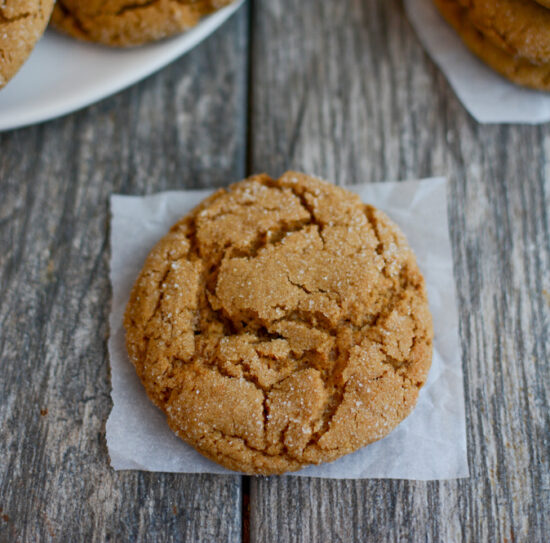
(521, 28)
(22, 23)
(545, 3)
(516, 69)
(281, 323)
(126, 23)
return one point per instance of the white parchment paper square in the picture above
(429, 444)
(488, 97)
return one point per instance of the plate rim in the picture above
(41, 113)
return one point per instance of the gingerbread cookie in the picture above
(516, 69)
(281, 323)
(521, 28)
(126, 23)
(22, 23)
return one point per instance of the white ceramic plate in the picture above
(63, 75)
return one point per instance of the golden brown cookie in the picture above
(516, 69)
(281, 323)
(126, 23)
(22, 23)
(521, 28)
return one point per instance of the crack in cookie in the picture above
(281, 323)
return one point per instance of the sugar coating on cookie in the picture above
(281, 323)
(22, 23)
(125, 23)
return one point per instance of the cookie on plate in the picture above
(125, 23)
(518, 69)
(22, 23)
(281, 323)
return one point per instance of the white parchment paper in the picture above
(429, 444)
(486, 95)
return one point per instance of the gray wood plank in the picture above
(184, 127)
(345, 90)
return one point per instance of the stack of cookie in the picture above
(511, 36)
(119, 23)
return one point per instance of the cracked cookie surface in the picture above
(22, 23)
(125, 23)
(518, 69)
(281, 323)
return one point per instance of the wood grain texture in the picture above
(183, 127)
(344, 90)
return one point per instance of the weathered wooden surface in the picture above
(55, 180)
(342, 89)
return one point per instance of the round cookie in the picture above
(519, 27)
(518, 70)
(125, 23)
(281, 323)
(22, 23)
